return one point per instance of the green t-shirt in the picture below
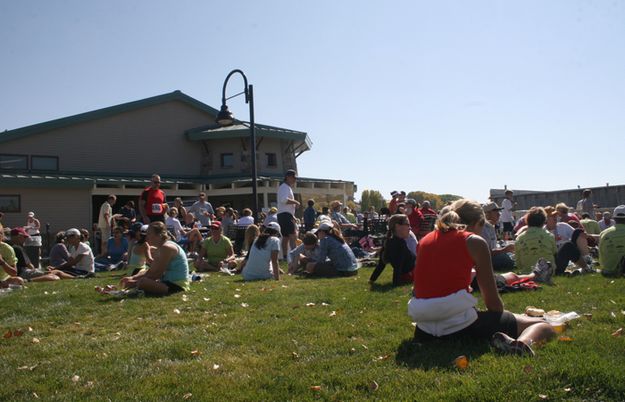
(590, 226)
(216, 252)
(8, 255)
(611, 248)
(531, 245)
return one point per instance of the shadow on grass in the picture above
(382, 288)
(438, 354)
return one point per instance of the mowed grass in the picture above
(229, 340)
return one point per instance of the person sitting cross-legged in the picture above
(216, 251)
(81, 261)
(306, 252)
(262, 259)
(340, 257)
(8, 268)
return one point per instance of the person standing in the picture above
(32, 246)
(310, 214)
(286, 211)
(507, 219)
(152, 204)
(585, 204)
(104, 221)
(203, 210)
(500, 256)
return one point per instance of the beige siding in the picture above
(61, 208)
(236, 147)
(137, 142)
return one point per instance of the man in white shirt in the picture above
(81, 259)
(105, 221)
(507, 219)
(286, 211)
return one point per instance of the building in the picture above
(63, 169)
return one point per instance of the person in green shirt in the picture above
(8, 265)
(591, 226)
(216, 251)
(535, 242)
(612, 245)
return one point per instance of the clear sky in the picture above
(439, 96)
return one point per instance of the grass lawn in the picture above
(229, 340)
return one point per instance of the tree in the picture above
(370, 198)
(449, 198)
(420, 196)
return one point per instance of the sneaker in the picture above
(574, 272)
(543, 271)
(507, 345)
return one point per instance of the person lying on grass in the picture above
(441, 304)
(262, 259)
(169, 271)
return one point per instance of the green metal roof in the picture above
(242, 130)
(106, 112)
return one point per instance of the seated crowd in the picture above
(446, 255)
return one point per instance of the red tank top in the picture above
(443, 264)
(154, 200)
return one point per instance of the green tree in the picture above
(370, 198)
(449, 198)
(420, 196)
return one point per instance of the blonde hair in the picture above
(173, 211)
(462, 213)
(251, 233)
(159, 229)
(562, 207)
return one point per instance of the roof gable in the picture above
(105, 112)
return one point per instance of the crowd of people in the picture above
(447, 255)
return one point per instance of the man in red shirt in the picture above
(152, 205)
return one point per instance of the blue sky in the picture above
(441, 96)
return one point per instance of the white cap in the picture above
(619, 212)
(325, 225)
(72, 232)
(31, 214)
(273, 225)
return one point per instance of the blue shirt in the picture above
(114, 252)
(310, 215)
(339, 254)
(178, 269)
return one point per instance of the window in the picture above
(272, 160)
(10, 203)
(44, 163)
(13, 162)
(227, 160)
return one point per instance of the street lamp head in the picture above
(225, 117)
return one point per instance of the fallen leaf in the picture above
(206, 299)
(461, 362)
(316, 387)
(195, 353)
(45, 292)
(18, 332)
(238, 290)
(295, 355)
(612, 314)
(75, 379)
(383, 357)
(8, 334)
(364, 346)
(23, 368)
(528, 369)
(612, 301)
(324, 304)
(373, 386)
(236, 296)
(352, 350)
(588, 316)
(567, 389)
(36, 340)
(542, 396)
(565, 339)
(185, 298)
(186, 396)
(176, 311)
(310, 304)
(30, 329)
(215, 366)
(35, 395)
(284, 286)
(244, 305)
(89, 384)
(333, 313)
(618, 332)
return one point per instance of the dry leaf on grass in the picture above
(352, 350)
(612, 314)
(528, 369)
(383, 357)
(461, 362)
(588, 316)
(35, 395)
(618, 332)
(567, 389)
(36, 340)
(333, 313)
(195, 353)
(373, 386)
(8, 334)
(315, 387)
(18, 332)
(542, 396)
(244, 305)
(30, 329)
(565, 339)
(364, 346)
(176, 311)
(310, 304)
(186, 396)
(215, 366)
(206, 298)
(295, 355)
(324, 304)
(75, 379)
(236, 296)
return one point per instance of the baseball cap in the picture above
(394, 193)
(412, 202)
(31, 214)
(273, 210)
(144, 229)
(619, 212)
(290, 172)
(19, 231)
(215, 225)
(72, 232)
(491, 206)
(274, 226)
(325, 225)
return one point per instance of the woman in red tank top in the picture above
(442, 305)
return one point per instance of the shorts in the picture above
(287, 223)
(508, 227)
(156, 218)
(29, 274)
(327, 270)
(172, 287)
(78, 272)
(487, 323)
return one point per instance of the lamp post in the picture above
(226, 118)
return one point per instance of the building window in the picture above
(227, 160)
(272, 160)
(50, 163)
(10, 203)
(13, 162)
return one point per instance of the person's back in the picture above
(339, 253)
(591, 226)
(258, 265)
(58, 254)
(612, 249)
(177, 271)
(532, 244)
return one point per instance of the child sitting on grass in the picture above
(168, 273)
(306, 252)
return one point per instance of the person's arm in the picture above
(274, 262)
(478, 249)
(10, 269)
(159, 265)
(148, 254)
(141, 205)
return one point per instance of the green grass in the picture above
(277, 348)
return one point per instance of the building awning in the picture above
(301, 141)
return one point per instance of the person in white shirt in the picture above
(105, 221)
(81, 262)
(507, 219)
(606, 222)
(286, 211)
(246, 218)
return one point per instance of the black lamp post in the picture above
(226, 118)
